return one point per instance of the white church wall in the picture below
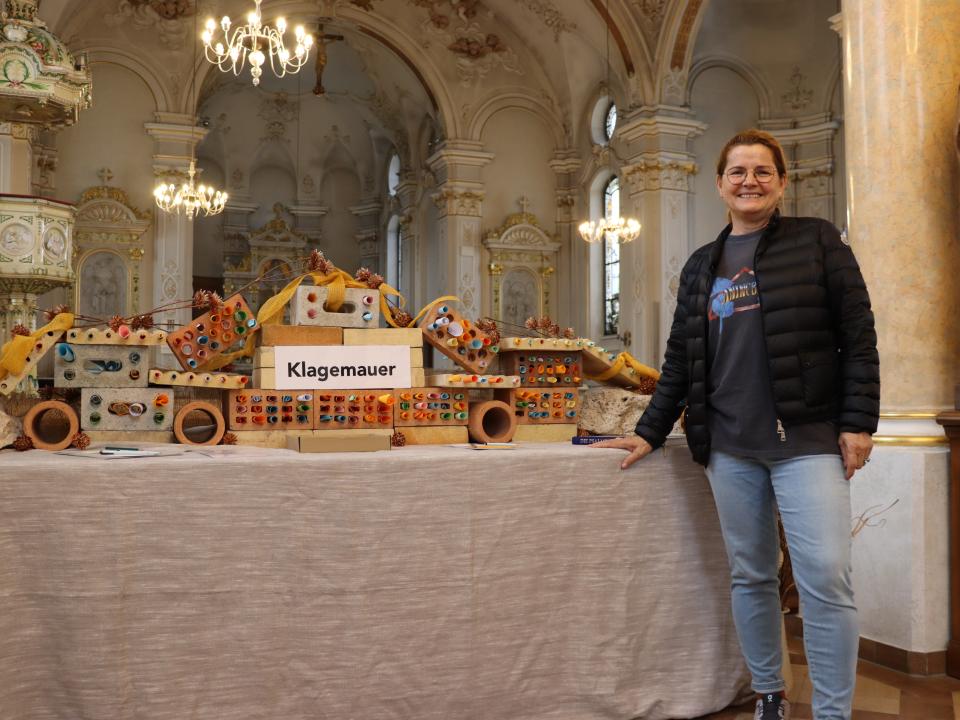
(726, 103)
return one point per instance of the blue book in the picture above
(591, 439)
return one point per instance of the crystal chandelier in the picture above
(190, 199)
(616, 229)
(258, 43)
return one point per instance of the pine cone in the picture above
(398, 439)
(201, 299)
(216, 302)
(51, 314)
(647, 386)
(363, 275)
(81, 441)
(402, 318)
(318, 263)
(375, 281)
(19, 329)
(530, 323)
(569, 334)
(141, 322)
(115, 322)
(228, 439)
(22, 443)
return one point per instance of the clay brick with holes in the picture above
(101, 366)
(129, 409)
(541, 406)
(270, 409)
(458, 338)
(108, 336)
(360, 309)
(431, 406)
(544, 368)
(354, 409)
(204, 339)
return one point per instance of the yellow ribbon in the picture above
(13, 355)
(623, 360)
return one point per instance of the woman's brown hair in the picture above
(754, 137)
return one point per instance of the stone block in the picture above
(413, 337)
(611, 411)
(360, 309)
(101, 366)
(271, 335)
(490, 382)
(128, 409)
(545, 433)
(435, 435)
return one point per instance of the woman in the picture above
(773, 353)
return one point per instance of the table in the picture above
(425, 583)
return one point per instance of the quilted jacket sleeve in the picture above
(671, 394)
(859, 381)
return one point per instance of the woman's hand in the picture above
(636, 445)
(855, 449)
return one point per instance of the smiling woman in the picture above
(778, 370)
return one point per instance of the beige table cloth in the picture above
(425, 583)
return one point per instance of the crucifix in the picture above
(524, 204)
(323, 39)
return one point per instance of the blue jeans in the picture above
(814, 501)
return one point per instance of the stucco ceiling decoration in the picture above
(164, 16)
(652, 14)
(550, 16)
(457, 24)
(167, 9)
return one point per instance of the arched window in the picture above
(610, 121)
(393, 175)
(611, 261)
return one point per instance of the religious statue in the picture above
(323, 39)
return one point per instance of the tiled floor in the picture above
(881, 694)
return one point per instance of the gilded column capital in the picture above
(657, 174)
(454, 201)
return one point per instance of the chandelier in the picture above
(190, 199)
(258, 43)
(611, 225)
(615, 229)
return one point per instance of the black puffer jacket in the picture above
(820, 337)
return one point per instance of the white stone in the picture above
(611, 411)
(10, 428)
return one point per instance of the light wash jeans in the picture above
(814, 501)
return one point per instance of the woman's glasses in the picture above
(738, 175)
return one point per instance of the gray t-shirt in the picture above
(740, 409)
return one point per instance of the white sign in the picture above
(321, 367)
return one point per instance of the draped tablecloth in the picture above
(425, 583)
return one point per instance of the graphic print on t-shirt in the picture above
(733, 295)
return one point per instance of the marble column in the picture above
(458, 167)
(570, 308)
(902, 70)
(901, 73)
(16, 157)
(657, 192)
(175, 139)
